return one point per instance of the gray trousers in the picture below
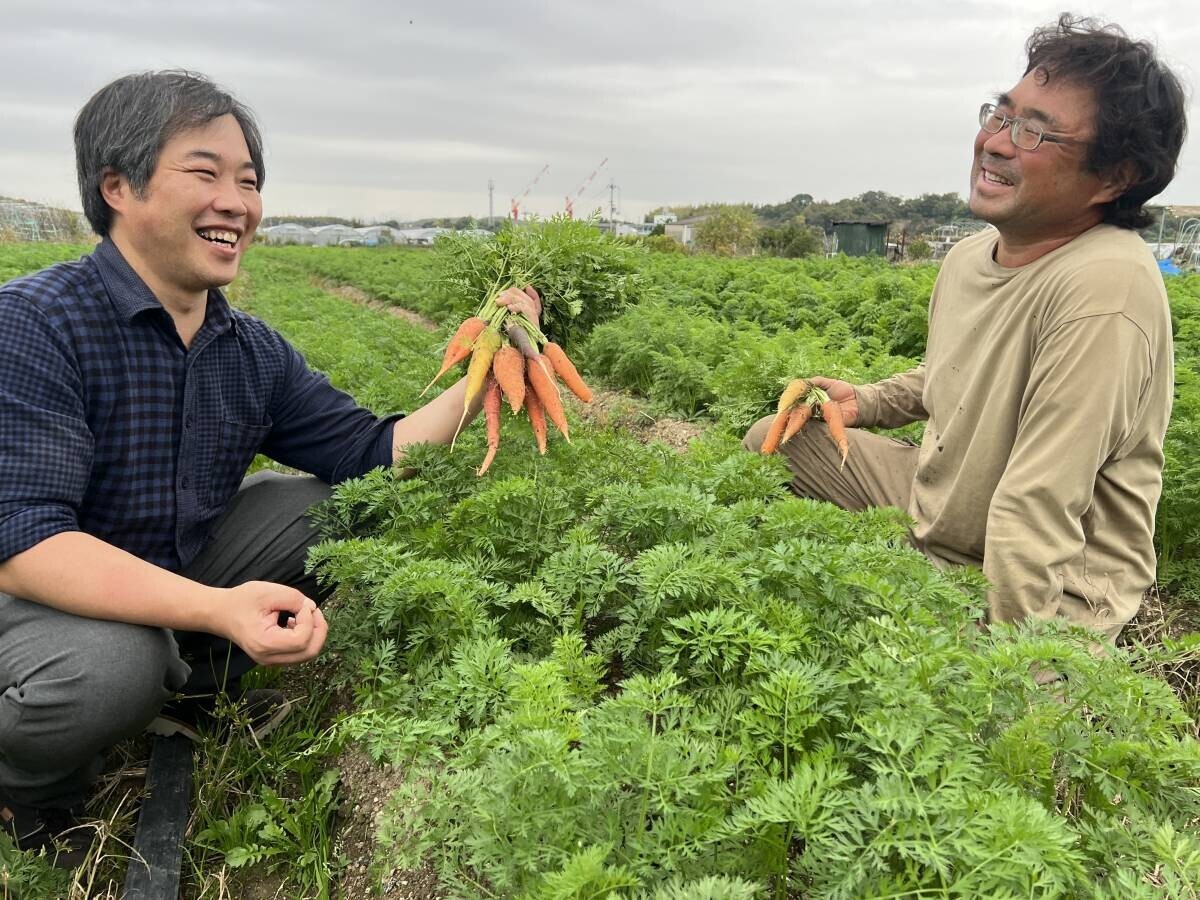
(70, 686)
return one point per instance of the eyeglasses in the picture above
(1025, 134)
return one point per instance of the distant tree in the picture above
(919, 249)
(660, 243)
(792, 240)
(728, 230)
(657, 230)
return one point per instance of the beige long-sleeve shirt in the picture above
(1047, 390)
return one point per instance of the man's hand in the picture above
(253, 613)
(526, 302)
(843, 393)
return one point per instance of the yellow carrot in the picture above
(795, 389)
(486, 346)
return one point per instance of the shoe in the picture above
(260, 710)
(59, 832)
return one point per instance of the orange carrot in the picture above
(771, 442)
(537, 417)
(459, 346)
(491, 414)
(795, 389)
(832, 413)
(565, 369)
(538, 371)
(508, 368)
(796, 420)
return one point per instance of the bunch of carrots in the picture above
(511, 359)
(797, 404)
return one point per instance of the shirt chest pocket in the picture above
(235, 448)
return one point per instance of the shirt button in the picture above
(185, 483)
(187, 422)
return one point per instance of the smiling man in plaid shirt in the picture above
(135, 562)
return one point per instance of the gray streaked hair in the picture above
(125, 125)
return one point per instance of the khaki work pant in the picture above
(878, 472)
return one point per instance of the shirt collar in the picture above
(131, 296)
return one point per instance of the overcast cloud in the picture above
(403, 110)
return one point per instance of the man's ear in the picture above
(115, 190)
(1117, 181)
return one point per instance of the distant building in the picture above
(336, 236)
(288, 233)
(624, 229)
(665, 218)
(374, 235)
(861, 237)
(684, 230)
(419, 237)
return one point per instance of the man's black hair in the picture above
(1140, 106)
(124, 127)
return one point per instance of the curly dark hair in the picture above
(1140, 105)
(125, 125)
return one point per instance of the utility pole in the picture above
(612, 205)
(491, 189)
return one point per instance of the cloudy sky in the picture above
(407, 109)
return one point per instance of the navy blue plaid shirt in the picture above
(109, 425)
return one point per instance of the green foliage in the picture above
(278, 831)
(583, 276)
(691, 363)
(27, 875)
(919, 249)
(660, 243)
(728, 231)
(403, 276)
(690, 685)
(18, 259)
(618, 671)
(792, 239)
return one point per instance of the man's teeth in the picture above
(224, 237)
(995, 179)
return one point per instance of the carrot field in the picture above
(619, 670)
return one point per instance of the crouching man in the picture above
(136, 560)
(1047, 382)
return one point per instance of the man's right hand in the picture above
(252, 617)
(842, 392)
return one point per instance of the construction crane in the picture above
(517, 201)
(583, 187)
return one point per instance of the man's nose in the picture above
(1000, 143)
(229, 199)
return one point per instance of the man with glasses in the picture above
(1046, 386)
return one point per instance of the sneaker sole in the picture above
(166, 726)
(276, 719)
